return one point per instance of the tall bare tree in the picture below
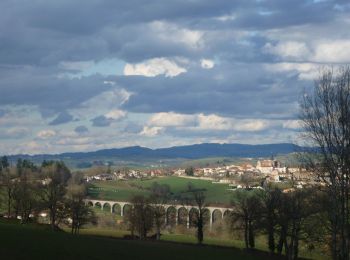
(270, 201)
(325, 113)
(140, 216)
(79, 213)
(54, 189)
(245, 214)
(198, 200)
(160, 195)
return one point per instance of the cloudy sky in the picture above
(90, 74)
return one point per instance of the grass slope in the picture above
(123, 190)
(37, 242)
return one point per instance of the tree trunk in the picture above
(200, 230)
(158, 231)
(9, 206)
(281, 241)
(246, 234)
(251, 235)
(271, 238)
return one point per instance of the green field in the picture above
(123, 190)
(38, 242)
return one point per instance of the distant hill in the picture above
(205, 150)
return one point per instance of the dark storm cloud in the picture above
(133, 128)
(62, 118)
(245, 90)
(81, 129)
(101, 121)
(24, 85)
(46, 32)
(37, 36)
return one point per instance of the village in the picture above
(245, 175)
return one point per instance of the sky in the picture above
(85, 75)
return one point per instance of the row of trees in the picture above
(28, 190)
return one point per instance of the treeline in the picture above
(28, 190)
(287, 220)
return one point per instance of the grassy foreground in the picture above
(38, 242)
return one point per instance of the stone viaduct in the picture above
(178, 214)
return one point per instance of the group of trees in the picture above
(325, 115)
(319, 215)
(284, 218)
(148, 213)
(28, 190)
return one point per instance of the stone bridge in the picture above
(174, 214)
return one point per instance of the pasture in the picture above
(122, 190)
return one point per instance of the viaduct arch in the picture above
(175, 214)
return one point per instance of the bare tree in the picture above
(54, 190)
(25, 196)
(140, 216)
(159, 197)
(197, 199)
(270, 202)
(77, 210)
(246, 210)
(325, 114)
(9, 184)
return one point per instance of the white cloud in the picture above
(200, 122)
(151, 131)
(307, 71)
(154, 67)
(251, 125)
(336, 51)
(289, 49)
(171, 119)
(213, 122)
(102, 103)
(168, 32)
(225, 18)
(292, 124)
(45, 134)
(207, 64)
(116, 114)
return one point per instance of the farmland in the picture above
(123, 190)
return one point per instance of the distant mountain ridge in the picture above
(196, 151)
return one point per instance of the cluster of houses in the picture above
(125, 174)
(265, 171)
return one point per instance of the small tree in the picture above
(189, 171)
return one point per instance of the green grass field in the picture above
(123, 190)
(38, 242)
